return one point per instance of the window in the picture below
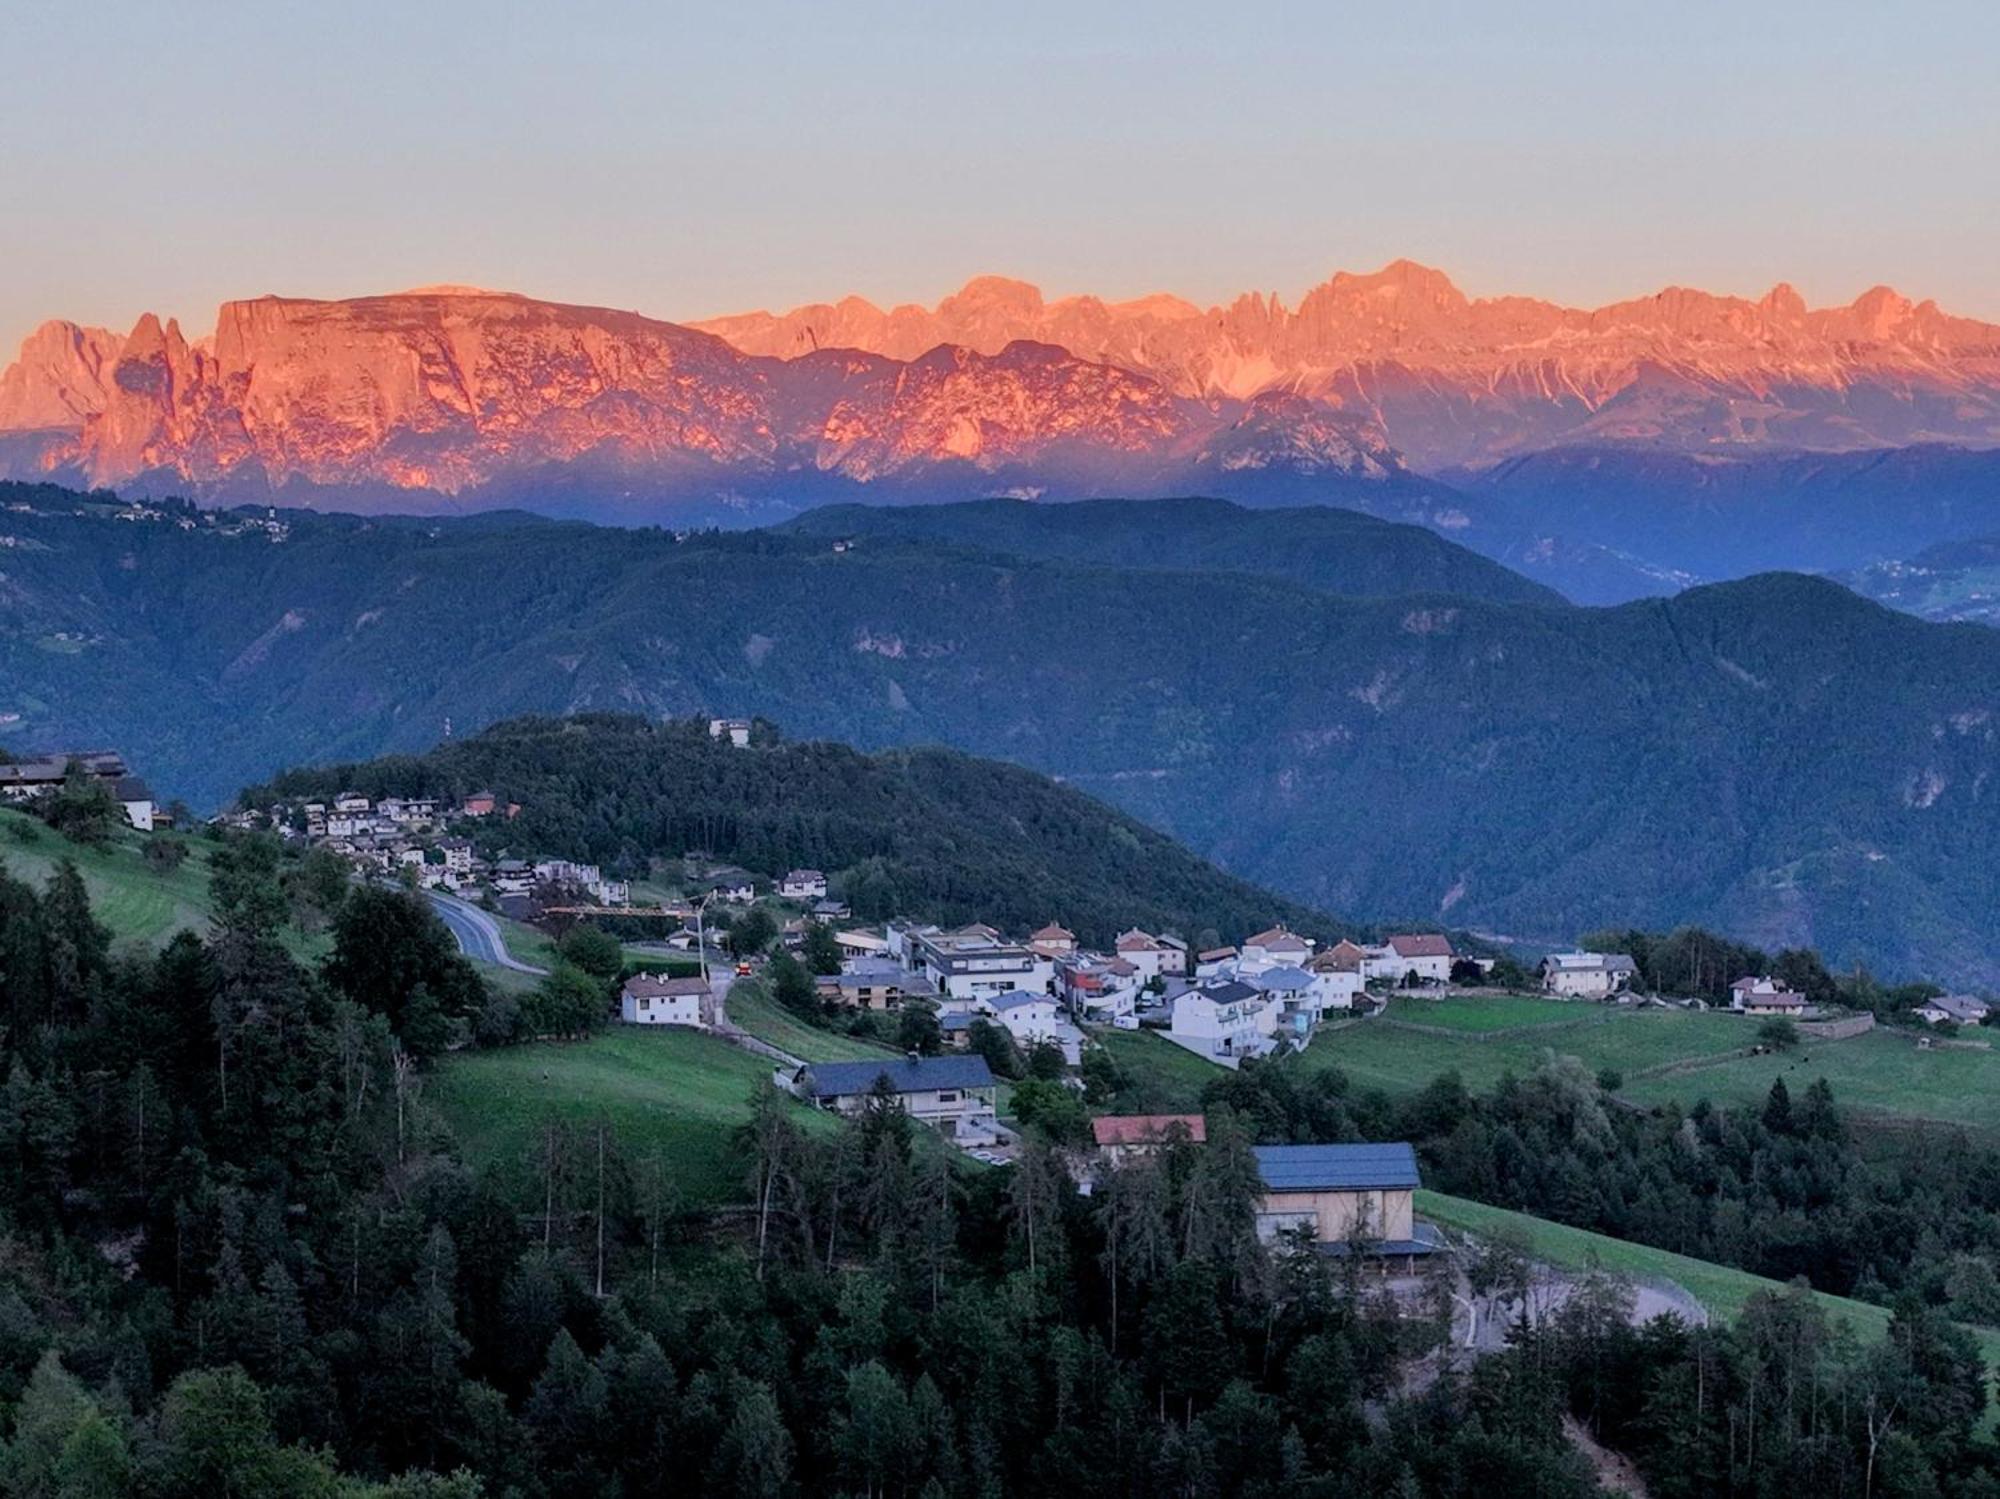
(947, 1098)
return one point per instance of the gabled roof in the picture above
(1349, 1168)
(910, 1075)
(1137, 941)
(1421, 945)
(1053, 932)
(1277, 937)
(1215, 954)
(1147, 1129)
(1958, 1006)
(646, 986)
(1591, 962)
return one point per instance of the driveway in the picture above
(478, 934)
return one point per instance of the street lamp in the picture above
(700, 939)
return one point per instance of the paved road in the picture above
(734, 1034)
(478, 934)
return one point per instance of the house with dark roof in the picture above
(1344, 1196)
(1958, 1009)
(803, 884)
(1765, 996)
(954, 1095)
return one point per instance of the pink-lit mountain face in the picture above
(1455, 381)
(453, 390)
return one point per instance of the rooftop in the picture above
(909, 1075)
(1338, 1168)
(1147, 1129)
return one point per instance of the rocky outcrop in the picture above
(1456, 380)
(452, 389)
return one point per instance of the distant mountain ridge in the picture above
(1454, 380)
(443, 399)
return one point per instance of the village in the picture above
(1269, 993)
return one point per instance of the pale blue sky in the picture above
(690, 160)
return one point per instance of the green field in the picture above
(1723, 1291)
(663, 1090)
(133, 899)
(1487, 1012)
(1880, 1072)
(752, 1007)
(1161, 1078)
(1386, 1053)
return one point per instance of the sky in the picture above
(686, 161)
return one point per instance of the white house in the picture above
(1426, 954)
(1149, 955)
(1028, 1017)
(1959, 1009)
(1053, 940)
(1587, 975)
(803, 884)
(735, 730)
(861, 944)
(1225, 1019)
(648, 999)
(1175, 959)
(136, 800)
(1764, 996)
(1277, 945)
(975, 963)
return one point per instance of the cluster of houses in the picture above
(1278, 986)
(43, 775)
(1223, 1003)
(1341, 1198)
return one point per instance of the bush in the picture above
(1778, 1034)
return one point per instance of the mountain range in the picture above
(1613, 453)
(1452, 380)
(1774, 757)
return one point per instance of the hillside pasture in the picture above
(663, 1090)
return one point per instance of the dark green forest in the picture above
(1774, 759)
(927, 833)
(242, 1257)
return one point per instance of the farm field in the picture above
(1388, 1053)
(1880, 1072)
(664, 1090)
(752, 1007)
(133, 899)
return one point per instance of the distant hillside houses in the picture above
(1587, 975)
(1765, 996)
(29, 780)
(1278, 986)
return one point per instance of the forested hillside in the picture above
(1331, 551)
(1776, 759)
(927, 833)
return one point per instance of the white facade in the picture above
(647, 1000)
(1230, 1020)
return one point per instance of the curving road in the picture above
(478, 934)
